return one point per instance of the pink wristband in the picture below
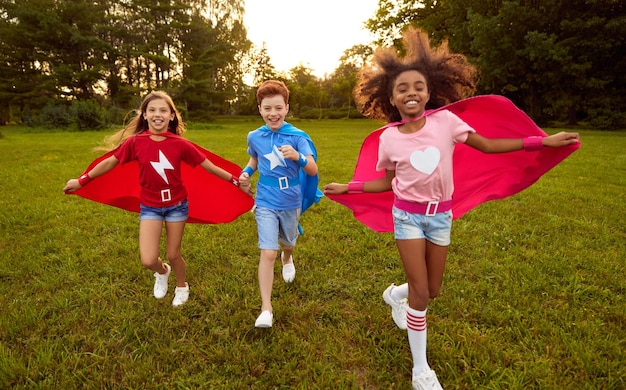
(84, 179)
(355, 187)
(532, 144)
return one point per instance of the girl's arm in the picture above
(379, 185)
(223, 174)
(503, 145)
(100, 169)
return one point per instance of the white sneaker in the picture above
(181, 294)
(160, 284)
(426, 380)
(398, 308)
(289, 270)
(264, 320)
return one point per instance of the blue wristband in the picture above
(303, 161)
(249, 170)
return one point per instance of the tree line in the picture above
(88, 62)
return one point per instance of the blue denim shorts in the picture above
(176, 213)
(409, 226)
(276, 225)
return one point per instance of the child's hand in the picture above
(561, 139)
(71, 186)
(289, 152)
(335, 188)
(246, 188)
(244, 179)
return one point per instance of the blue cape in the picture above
(310, 193)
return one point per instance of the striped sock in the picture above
(417, 329)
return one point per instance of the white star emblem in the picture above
(276, 158)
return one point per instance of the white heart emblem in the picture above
(427, 160)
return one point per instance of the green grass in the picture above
(533, 294)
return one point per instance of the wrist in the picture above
(302, 160)
(234, 180)
(532, 144)
(249, 170)
(83, 180)
(355, 187)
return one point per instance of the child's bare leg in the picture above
(174, 232)
(266, 277)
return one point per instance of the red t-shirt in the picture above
(159, 167)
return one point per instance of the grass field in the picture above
(533, 295)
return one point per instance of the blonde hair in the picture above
(138, 124)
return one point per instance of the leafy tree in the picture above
(86, 50)
(557, 59)
(262, 67)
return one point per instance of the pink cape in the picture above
(211, 200)
(478, 177)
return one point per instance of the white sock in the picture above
(416, 324)
(400, 292)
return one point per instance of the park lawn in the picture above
(533, 295)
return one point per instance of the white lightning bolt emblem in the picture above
(161, 165)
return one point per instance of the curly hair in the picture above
(138, 124)
(449, 76)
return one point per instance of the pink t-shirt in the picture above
(423, 160)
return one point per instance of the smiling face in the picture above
(158, 114)
(273, 109)
(410, 94)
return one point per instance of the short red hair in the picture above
(272, 88)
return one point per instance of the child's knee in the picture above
(174, 257)
(150, 262)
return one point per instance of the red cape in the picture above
(211, 200)
(478, 177)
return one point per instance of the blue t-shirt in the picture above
(263, 145)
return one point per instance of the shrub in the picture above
(56, 115)
(88, 115)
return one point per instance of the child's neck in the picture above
(412, 125)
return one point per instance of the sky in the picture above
(314, 33)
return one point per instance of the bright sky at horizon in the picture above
(312, 33)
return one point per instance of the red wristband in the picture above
(84, 179)
(532, 144)
(355, 187)
(234, 180)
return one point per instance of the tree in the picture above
(556, 59)
(81, 50)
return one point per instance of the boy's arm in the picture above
(307, 163)
(244, 176)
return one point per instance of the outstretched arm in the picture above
(503, 145)
(379, 185)
(223, 174)
(100, 169)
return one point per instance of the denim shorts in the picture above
(176, 213)
(409, 226)
(276, 225)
